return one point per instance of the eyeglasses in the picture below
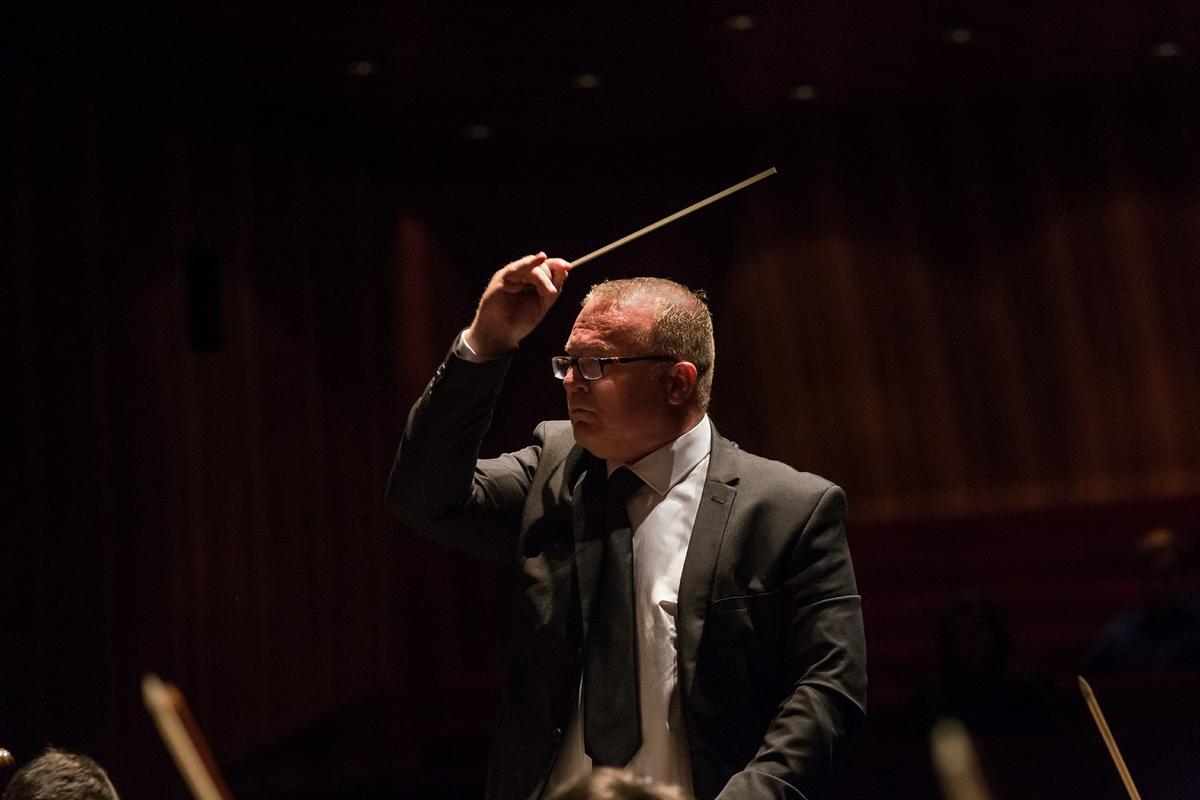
(591, 368)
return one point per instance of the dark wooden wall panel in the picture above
(969, 332)
(961, 312)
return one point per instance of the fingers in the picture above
(559, 268)
(537, 273)
(516, 275)
(529, 261)
(544, 283)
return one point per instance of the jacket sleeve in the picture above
(825, 657)
(438, 486)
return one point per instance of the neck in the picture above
(678, 428)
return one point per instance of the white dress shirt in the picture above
(662, 514)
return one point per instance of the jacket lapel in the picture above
(551, 541)
(699, 566)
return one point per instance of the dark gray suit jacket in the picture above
(772, 662)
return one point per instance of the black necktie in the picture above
(612, 728)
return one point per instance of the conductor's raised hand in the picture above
(514, 302)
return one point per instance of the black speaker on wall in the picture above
(203, 287)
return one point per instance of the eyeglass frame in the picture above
(573, 363)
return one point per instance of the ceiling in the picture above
(576, 74)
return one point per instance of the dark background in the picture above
(239, 238)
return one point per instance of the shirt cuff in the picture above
(463, 350)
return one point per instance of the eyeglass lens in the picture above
(588, 367)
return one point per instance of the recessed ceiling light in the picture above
(1166, 49)
(740, 22)
(803, 91)
(960, 36)
(586, 80)
(478, 132)
(360, 69)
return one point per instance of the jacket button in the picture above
(556, 736)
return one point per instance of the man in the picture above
(1162, 633)
(59, 775)
(685, 609)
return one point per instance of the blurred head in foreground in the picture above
(58, 775)
(606, 783)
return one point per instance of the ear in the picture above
(681, 382)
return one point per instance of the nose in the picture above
(573, 382)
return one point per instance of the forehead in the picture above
(608, 327)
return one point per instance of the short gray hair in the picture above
(59, 775)
(682, 325)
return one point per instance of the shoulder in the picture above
(773, 476)
(772, 490)
(553, 432)
(555, 439)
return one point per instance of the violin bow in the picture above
(182, 736)
(1109, 741)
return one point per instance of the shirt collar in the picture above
(663, 469)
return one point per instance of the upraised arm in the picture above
(438, 485)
